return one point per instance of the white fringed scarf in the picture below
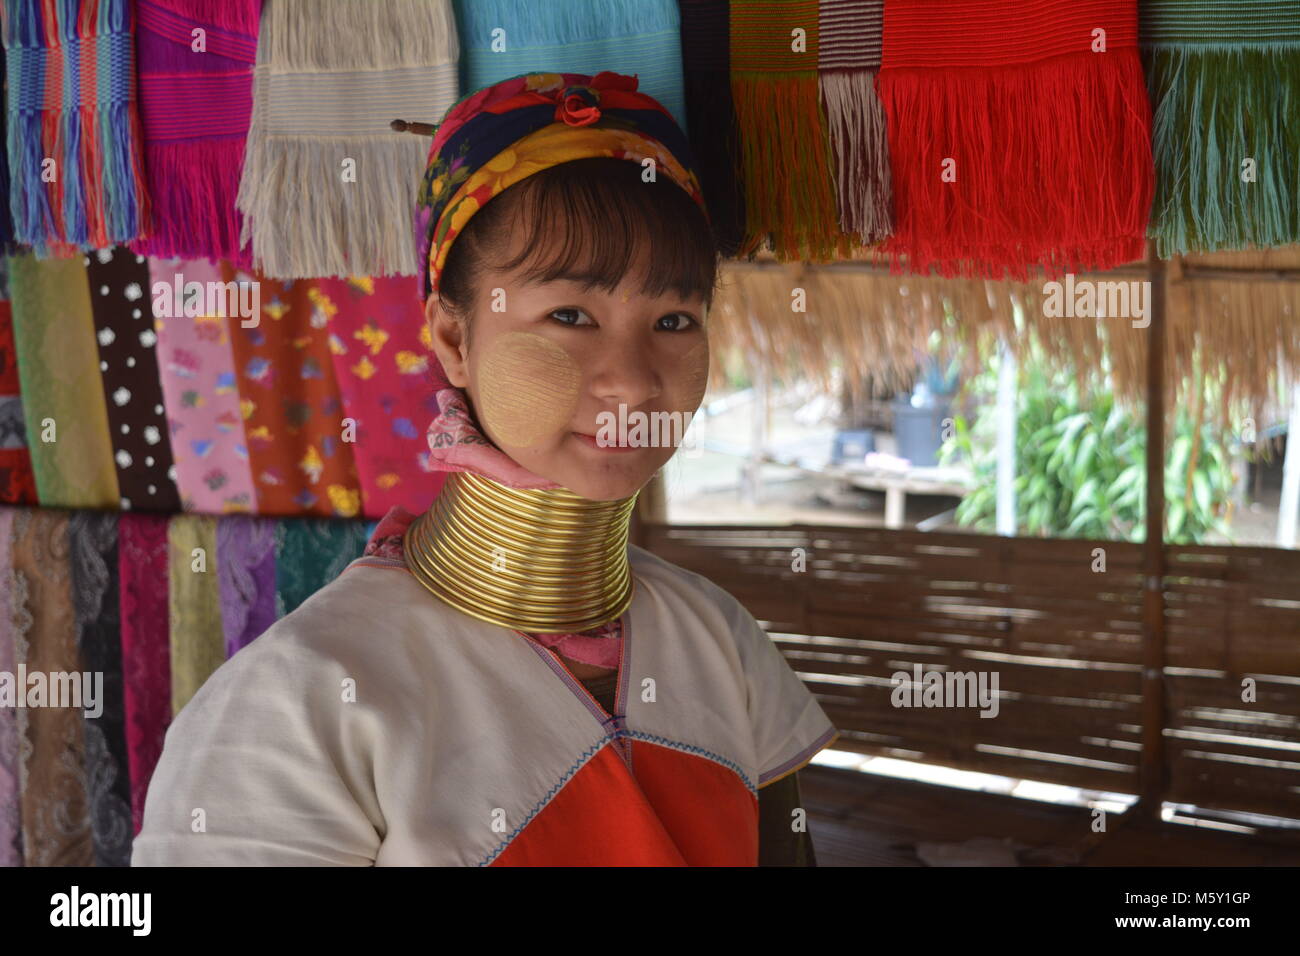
(328, 188)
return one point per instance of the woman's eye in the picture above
(673, 316)
(568, 312)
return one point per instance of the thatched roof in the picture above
(1242, 309)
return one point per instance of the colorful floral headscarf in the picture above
(503, 133)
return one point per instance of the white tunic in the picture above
(377, 725)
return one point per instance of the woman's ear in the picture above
(450, 344)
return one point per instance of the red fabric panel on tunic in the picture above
(679, 810)
(599, 818)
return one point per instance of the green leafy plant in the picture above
(1081, 461)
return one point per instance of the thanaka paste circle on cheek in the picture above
(528, 386)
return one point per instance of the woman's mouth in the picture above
(592, 442)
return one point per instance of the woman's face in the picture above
(549, 363)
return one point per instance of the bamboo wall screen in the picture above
(1066, 642)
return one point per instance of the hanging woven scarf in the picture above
(63, 402)
(11, 815)
(1019, 133)
(71, 99)
(56, 806)
(309, 554)
(504, 38)
(299, 448)
(246, 574)
(198, 644)
(711, 117)
(92, 549)
(382, 351)
(1225, 82)
(328, 187)
(848, 59)
(146, 654)
(17, 484)
(201, 398)
(788, 167)
(128, 372)
(196, 100)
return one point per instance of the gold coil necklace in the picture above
(534, 560)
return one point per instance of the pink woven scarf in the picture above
(195, 107)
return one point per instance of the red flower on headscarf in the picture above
(577, 106)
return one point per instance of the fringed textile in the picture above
(1225, 83)
(1019, 135)
(196, 102)
(70, 98)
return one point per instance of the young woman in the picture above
(504, 680)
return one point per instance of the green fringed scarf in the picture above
(1225, 83)
(787, 160)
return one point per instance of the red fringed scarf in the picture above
(1020, 134)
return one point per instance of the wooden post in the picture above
(1152, 768)
(1007, 418)
(1289, 507)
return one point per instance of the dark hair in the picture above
(585, 220)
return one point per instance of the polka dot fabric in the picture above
(128, 367)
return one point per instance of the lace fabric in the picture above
(146, 658)
(11, 818)
(246, 574)
(309, 554)
(92, 546)
(56, 814)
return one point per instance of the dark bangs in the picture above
(587, 221)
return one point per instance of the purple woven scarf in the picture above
(195, 61)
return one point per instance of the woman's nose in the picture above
(624, 371)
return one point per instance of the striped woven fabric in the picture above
(1019, 133)
(328, 188)
(787, 164)
(500, 39)
(195, 107)
(1225, 83)
(70, 98)
(849, 33)
(848, 59)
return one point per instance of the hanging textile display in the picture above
(128, 371)
(196, 102)
(70, 99)
(711, 117)
(848, 59)
(55, 801)
(289, 401)
(11, 810)
(198, 645)
(787, 165)
(381, 349)
(146, 665)
(6, 218)
(309, 554)
(17, 483)
(328, 187)
(500, 39)
(200, 396)
(63, 402)
(1019, 134)
(92, 549)
(246, 576)
(1225, 85)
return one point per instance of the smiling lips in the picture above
(591, 440)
